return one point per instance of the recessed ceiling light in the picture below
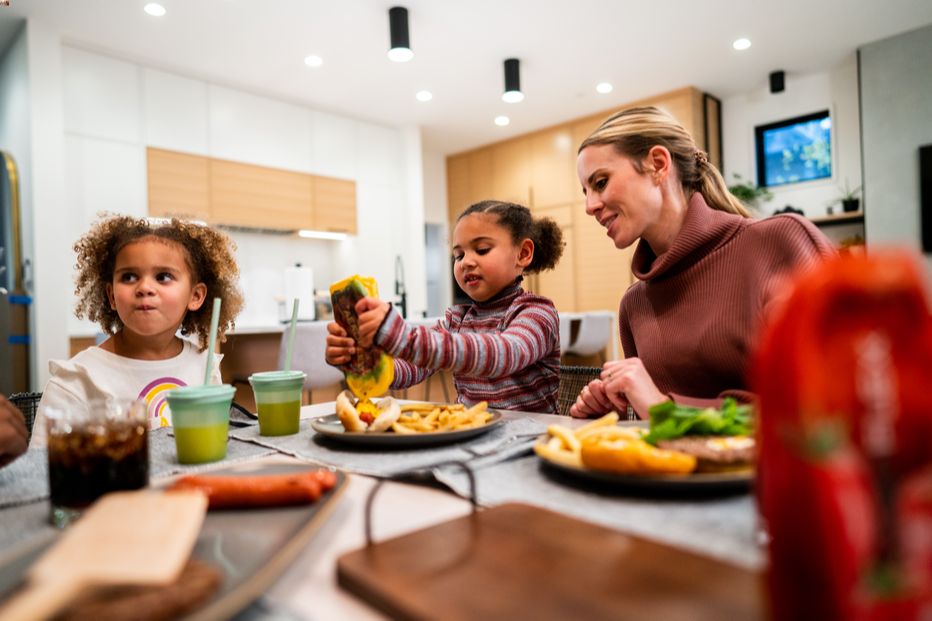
(741, 44)
(154, 9)
(424, 95)
(603, 87)
(502, 121)
(313, 60)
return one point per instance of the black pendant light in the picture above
(512, 92)
(400, 50)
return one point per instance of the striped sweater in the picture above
(505, 351)
(694, 314)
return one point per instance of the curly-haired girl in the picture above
(504, 348)
(143, 281)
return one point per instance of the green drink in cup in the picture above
(278, 401)
(201, 420)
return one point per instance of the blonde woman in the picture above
(705, 270)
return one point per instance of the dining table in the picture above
(419, 488)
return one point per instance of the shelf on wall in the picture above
(853, 217)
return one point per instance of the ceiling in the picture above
(565, 48)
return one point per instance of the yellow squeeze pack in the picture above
(370, 371)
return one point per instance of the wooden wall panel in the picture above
(255, 196)
(178, 184)
(480, 176)
(553, 166)
(511, 171)
(603, 272)
(458, 185)
(559, 284)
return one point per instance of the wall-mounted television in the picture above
(794, 150)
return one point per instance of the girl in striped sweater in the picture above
(504, 347)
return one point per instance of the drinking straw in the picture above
(294, 320)
(214, 320)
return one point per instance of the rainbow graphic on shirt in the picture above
(160, 415)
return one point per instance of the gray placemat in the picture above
(498, 443)
(163, 457)
(26, 479)
(723, 527)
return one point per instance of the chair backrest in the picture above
(310, 343)
(595, 331)
(566, 331)
(572, 381)
(27, 402)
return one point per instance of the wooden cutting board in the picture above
(131, 538)
(517, 561)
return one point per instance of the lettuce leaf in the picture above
(669, 420)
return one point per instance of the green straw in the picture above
(294, 320)
(214, 320)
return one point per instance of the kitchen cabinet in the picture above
(469, 180)
(255, 196)
(179, 184)
(334, 205)
(603, 272)
(244, 195)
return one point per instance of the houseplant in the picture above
(850, 199)
(749, 193)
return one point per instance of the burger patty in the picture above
(721, 450)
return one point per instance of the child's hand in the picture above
(340, 347)
(12, 432)
(371, 312)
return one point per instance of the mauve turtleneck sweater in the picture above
(693, 315)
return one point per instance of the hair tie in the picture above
(701, 158)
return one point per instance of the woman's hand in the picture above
(371, 313)
(592, 401)
(340, 347)
(627, 382)
(13, 434)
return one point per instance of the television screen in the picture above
(794, 150)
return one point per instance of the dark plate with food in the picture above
(390, 423)
(230, 566)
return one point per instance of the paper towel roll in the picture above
(299, 283)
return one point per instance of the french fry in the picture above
(431, 417)
(608, 420)
(558, 455)
(566, 435)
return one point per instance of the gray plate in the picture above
(228, 541)
(330, 426)
(698, 482)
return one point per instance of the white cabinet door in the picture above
(247, 128)
(334, 146)
(381, 154)
(175, 112)
(102, 175)
(100, 96)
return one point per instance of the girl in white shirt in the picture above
(143, 281)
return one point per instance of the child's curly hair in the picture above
(208, 254)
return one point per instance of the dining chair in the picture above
(595, 330)
(27, 403)
(310, 343)
(572, 380)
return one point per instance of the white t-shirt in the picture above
(96, 373)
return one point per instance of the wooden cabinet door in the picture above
(178, 184)
(334, 205)
(603, 272)
(511, 171)
(553, 168)
(559, 284)
(458, 183)
(480, 177)
(255, 196)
